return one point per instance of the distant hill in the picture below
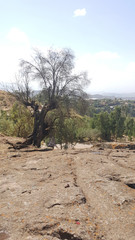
(6, 100)
(124, 96)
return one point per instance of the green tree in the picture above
(65, 127)
(86, 131)
(101, 121)
(117, 123)
(130, 127)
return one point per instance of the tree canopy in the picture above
(55, 73)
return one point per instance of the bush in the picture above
(88, 134)
(18, 122)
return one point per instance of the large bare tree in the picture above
(55, 73)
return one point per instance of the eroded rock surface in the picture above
(80, 194)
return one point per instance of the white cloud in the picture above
(16, 46)
(107, 69)
(106, 55)
(131, 67)
(108, 72)
(17, 36)
(80, 12)
(9, 61)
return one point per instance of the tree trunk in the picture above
(40, 131)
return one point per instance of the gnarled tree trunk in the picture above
(41, 128)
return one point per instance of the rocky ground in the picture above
(78, 194)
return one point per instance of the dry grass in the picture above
(6, 100)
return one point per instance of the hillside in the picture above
(77, 194)
(6, 100)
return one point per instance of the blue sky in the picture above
(101, 34)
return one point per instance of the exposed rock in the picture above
(80, 194)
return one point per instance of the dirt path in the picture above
(81, 194)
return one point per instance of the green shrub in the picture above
(18, 122)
